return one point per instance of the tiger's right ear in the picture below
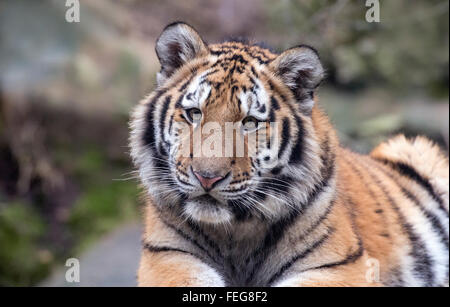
(301, 70)
(177, 44)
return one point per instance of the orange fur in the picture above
(381, 214)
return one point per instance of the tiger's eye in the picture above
(249, 123)
(194, 114)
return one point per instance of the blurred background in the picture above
(66, 90)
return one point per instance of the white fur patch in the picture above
(197, 93)
(207, 213)
(253, 100)
(205, 276)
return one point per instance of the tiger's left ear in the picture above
(301, 70)
(178, 44)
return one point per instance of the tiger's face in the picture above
(227, 135)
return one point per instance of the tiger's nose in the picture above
(206, 180)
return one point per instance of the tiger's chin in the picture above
(207, 210)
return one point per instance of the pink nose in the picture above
(206, 181)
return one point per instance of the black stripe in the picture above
(259, 59)
(369, 190)
(327, 171)
(189, 96)
(208, 74)
(422, 261)
(235, 190)
(149, 134)
(297, 150)
(285, 136)
(254, 85)
(233, 90)
(196, 228)
(170, 124)
(351, 258)
(274, 88)
(325, 148)
(434, 220)
(185, 84)
(185, 119)
(262, 109)
(189, 239)
(254, 71)
(162, 119)
(300, 256)
(178, 103)
(272, 237)
(274, 103)
(327, 157)
(207, 99)
(272, 117)
(240, 211)
(238, 58)
(159, 249)
(271, 85)
(261, 197)
(184, 182)
(412, 174)
(318, 222)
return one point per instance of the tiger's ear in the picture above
(177, 44)
(301, 70)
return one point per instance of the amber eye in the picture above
(194, 115)
(249, 123)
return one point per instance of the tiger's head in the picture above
(228, 134)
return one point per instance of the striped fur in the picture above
(301, 212)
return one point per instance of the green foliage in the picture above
(100, 208)
(90, 162)
(105, 200)
(98, 201)
(22, 261)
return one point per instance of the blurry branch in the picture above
(26, 141)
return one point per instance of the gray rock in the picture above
(112, 262)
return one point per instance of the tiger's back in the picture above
(400, 195)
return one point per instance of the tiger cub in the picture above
(276, 201)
